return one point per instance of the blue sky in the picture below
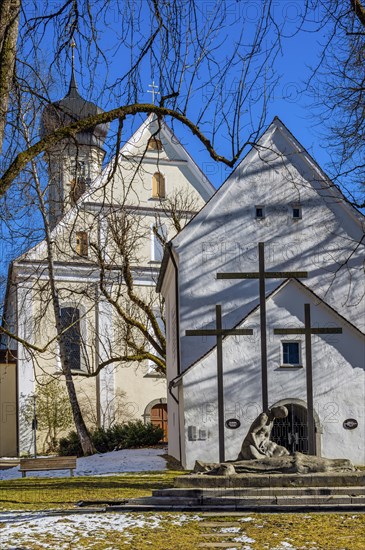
(292, 102)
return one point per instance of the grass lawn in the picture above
(34, 493)
(156, 531)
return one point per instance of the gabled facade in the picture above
(277, 195)
(100, 223)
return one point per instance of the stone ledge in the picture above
(330, 479)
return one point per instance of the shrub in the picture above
(120, 436)
(101, 440)
(136, 434)
(70, 445)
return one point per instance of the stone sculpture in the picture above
(296, 463)
(261, 455)
(257, 443)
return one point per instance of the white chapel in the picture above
(277, 239)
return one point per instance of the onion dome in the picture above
(70, 109)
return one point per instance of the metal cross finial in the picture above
(154, 91)
(73, 46)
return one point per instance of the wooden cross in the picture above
(308, 330)
(153, 91)
(262, 275)
(219, 332)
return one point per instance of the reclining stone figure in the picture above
(261, 455)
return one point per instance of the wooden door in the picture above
(159, 418)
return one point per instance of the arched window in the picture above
(154, 144)
(78, 188)
(78, 181)
(158, 237)
(158, 186)
(70, 321)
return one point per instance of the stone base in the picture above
(328, 479)
(249, 493)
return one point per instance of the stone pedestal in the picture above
(334, 491)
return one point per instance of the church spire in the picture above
(73, 91)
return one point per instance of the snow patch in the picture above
(284, 546)
(115, 462)
(243, 538)
(25, 528)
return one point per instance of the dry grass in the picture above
(160, 531)
(165, 531)
(60, 493)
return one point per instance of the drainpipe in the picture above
(97, 357)
(171, 384)
(169, 247)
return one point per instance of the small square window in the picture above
(297, 212)
(291, 353)
(260, 212)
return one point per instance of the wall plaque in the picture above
(233, 423)
(350, 424)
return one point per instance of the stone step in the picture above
(257, 491)
(331, 479)
(221, 508)
(263, 493)
(252, 501)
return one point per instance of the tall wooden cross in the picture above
(262, 275)
(219, 332)
(308, 330)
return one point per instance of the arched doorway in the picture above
(292, 432)
(156, 413)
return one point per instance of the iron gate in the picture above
(292, 432)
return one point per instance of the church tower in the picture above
(73, 163)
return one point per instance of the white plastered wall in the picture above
(338, 381)
(174, 395)
(25, 364)
(224, 236)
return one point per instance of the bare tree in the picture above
(139, 334)
(183, 45)
(141, 321)
(9, 23)
(179, 42)
(206, 84)
(339, 79)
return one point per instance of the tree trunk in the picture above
(82, 431)
(9, 23)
